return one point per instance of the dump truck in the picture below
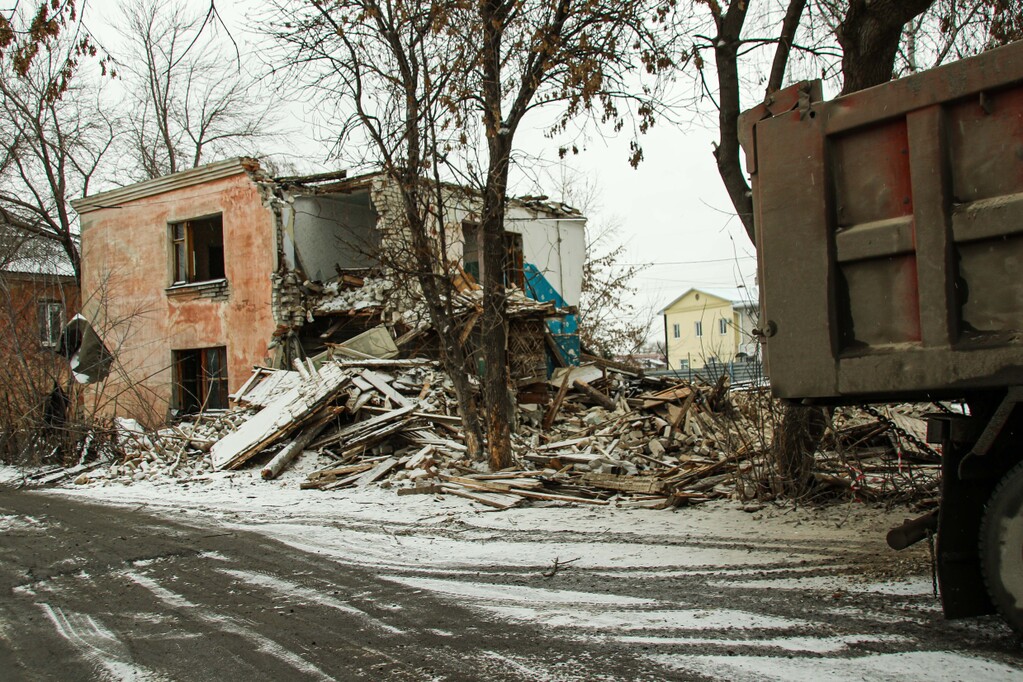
(889, 235)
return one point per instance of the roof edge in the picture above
(167, 183)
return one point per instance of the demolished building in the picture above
(194, 278)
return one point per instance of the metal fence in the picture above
(739, 372)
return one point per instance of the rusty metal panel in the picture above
(871, 173)
(796, 270)
(986, 144)
(881, 307)
(890, 235)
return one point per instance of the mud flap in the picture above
(962, 507)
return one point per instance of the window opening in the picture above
(513, 261)
(200, 379)
(198, 247)
(51, 322)
(699, 328)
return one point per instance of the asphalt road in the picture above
(92, 592)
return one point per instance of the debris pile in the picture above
(604, 434)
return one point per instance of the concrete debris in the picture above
(645, 441)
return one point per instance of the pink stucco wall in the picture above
(127, 269)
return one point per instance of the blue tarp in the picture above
(564, 330)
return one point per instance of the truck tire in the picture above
(1001, 547)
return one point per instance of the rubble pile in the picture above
(605, 434)
(176, 452)
(350, 294)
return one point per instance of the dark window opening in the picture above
(513, 260)
(200, 379)
(514, 270)
(51, 322)
(471, 252)
(198, 247)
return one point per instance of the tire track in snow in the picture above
(97, 644)
(260, 642)
(279, 585)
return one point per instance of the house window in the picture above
(699, 328)
(514, 268)
(514, 261)
(723, 326)
(198, 247)
(51, 322)
(200, 379)
(676, 330)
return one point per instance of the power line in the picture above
(692, 262)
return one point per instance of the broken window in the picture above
(51, 322)
(200, 379)
(471, 255)
(198, 247)
(514, 262)
(514, 270)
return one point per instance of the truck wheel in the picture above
(1001, 547)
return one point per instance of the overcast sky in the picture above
(673, 211)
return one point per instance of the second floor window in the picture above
(699, 328)
(198, 247)
(676, 330)
(723, 326)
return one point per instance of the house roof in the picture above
(739, 297)
(167, 183)
(33, 256)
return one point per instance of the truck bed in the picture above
(890, 233)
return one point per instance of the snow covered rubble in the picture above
(395, 423)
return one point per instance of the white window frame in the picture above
(49, 336)
(676, 330)
(699, 327)
(722, 326)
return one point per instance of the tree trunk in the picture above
(438, 304)
(869, 36)
(795, 442)
(493, 322)
(726, 56)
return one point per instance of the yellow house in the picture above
(709, 325)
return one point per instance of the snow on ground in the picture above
(779, 594)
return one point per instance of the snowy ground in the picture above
(703, 592)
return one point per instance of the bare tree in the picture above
(379, 63)
(190, 98)
(867, 39)
(460, 74)
(53, 136)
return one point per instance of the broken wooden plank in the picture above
(495, 500)
(563, 444)
(595, 395)
(680, 416)
(380, 383)
(278, 419)
(431, 489)
(647, 485)
(333, 472)
(552, 413)
(571, 457)
(376, 472)
(291, 450)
